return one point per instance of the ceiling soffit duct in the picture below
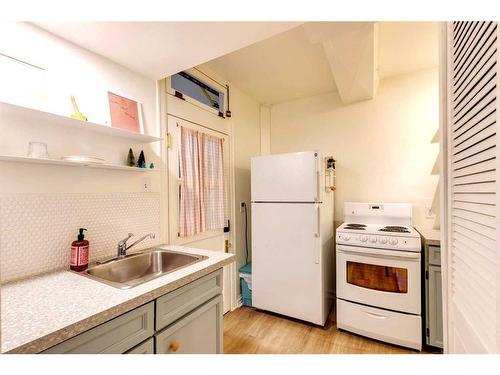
(351, 49)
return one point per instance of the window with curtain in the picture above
(201, 191)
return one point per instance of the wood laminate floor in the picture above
(251, 331)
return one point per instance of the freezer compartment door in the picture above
(286, 177)
(287, 260)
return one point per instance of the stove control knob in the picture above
(393, 241)
(346, 237)
(364, 238)
(383, 240)
(373, 239)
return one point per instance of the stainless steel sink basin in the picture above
(136, 269)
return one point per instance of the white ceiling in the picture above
(160, 49)
(407, 47)
(277, 69)
(271, 61)
(287, 66)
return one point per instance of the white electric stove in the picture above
(378, 264)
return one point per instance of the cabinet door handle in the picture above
(173, 347)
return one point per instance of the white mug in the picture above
(38, 150)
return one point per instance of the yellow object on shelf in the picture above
(174, 346)
(77, 115)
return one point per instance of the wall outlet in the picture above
(242, 206)
(146, 185)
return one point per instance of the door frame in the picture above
(187, 111)
(444, 188)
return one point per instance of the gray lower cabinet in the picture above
(435, 308)
(147, 347)
(113, 337)
(178, 303)
(186, 320)
(433, 295)
(195, 333)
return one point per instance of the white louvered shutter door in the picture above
(473, 254)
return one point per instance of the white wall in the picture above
(71, 70)
(382, 146)
(265, 130)
(246, 132)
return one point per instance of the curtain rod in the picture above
(195, 123)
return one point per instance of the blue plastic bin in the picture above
(246, 284)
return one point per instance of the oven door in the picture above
(384, 278)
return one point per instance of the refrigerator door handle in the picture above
(318, 176)
(318, 233)
(318, 222)
(317, 187)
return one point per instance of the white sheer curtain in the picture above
(201, 168)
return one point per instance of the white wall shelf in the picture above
(66, 163)
(37, 117)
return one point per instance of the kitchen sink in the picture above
(136, 269)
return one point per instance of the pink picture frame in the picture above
(125, 113)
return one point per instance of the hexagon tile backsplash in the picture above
(36, 230)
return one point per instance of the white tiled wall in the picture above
(36, 230)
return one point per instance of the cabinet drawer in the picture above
(198, 333)
(385, 325)
(113, 337)
(180, 302)
(147, 347)
(434, 255)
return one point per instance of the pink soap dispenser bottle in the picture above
(79, 253)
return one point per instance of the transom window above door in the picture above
(189, 85)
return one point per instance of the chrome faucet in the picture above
(122, 245)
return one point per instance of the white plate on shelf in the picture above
(84, 159)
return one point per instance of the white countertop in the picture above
(43, 311)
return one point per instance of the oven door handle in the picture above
(393, 254)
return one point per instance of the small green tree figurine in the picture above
(130, 158)
(141, 163)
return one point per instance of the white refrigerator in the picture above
(292, 236)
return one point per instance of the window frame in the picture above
(174, 199)
(200, 76)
